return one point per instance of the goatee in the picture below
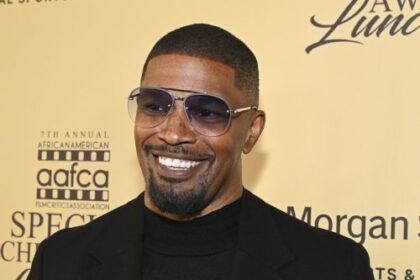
(169, 199)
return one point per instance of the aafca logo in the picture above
(73, 168)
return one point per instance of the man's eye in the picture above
(153, 108)
(208, 115)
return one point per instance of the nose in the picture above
(176, 129)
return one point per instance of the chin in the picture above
(176, 198)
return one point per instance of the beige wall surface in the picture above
(341, 145)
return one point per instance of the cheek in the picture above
(142, 135)
(140, 138)
(234, 139)
(228, 150)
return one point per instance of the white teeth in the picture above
(177, 163)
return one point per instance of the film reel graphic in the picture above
(61, 193)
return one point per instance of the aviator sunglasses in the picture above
(209, 115)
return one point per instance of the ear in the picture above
(254, 131)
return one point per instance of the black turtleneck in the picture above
(200, 249)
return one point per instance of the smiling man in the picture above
(195, 113)
(190, 154)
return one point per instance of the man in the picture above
(195, 113)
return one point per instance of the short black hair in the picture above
(214, 43)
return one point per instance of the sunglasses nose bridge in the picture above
(176, 112)
(177, 128)
(178, 98)
(184, 107)
(174, 107)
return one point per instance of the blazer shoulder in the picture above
(71, 251)
(325, 248)
(301, 234)
(295, 230)
(82, 236)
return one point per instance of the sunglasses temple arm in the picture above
(240, 110)
(134, 93)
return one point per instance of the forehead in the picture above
(191, 73)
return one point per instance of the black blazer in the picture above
(271, 246)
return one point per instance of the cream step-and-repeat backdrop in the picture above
(339, 83)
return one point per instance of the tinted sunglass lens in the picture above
(152, 107)
(208, 115)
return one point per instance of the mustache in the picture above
(180, 150)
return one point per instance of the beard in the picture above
(170, 199)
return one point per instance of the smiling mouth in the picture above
(176, 163)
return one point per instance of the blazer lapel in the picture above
(118, 251)
(125, 265)
(261, 251)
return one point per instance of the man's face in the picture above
(211, 172)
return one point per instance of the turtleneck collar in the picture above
(204, 235)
